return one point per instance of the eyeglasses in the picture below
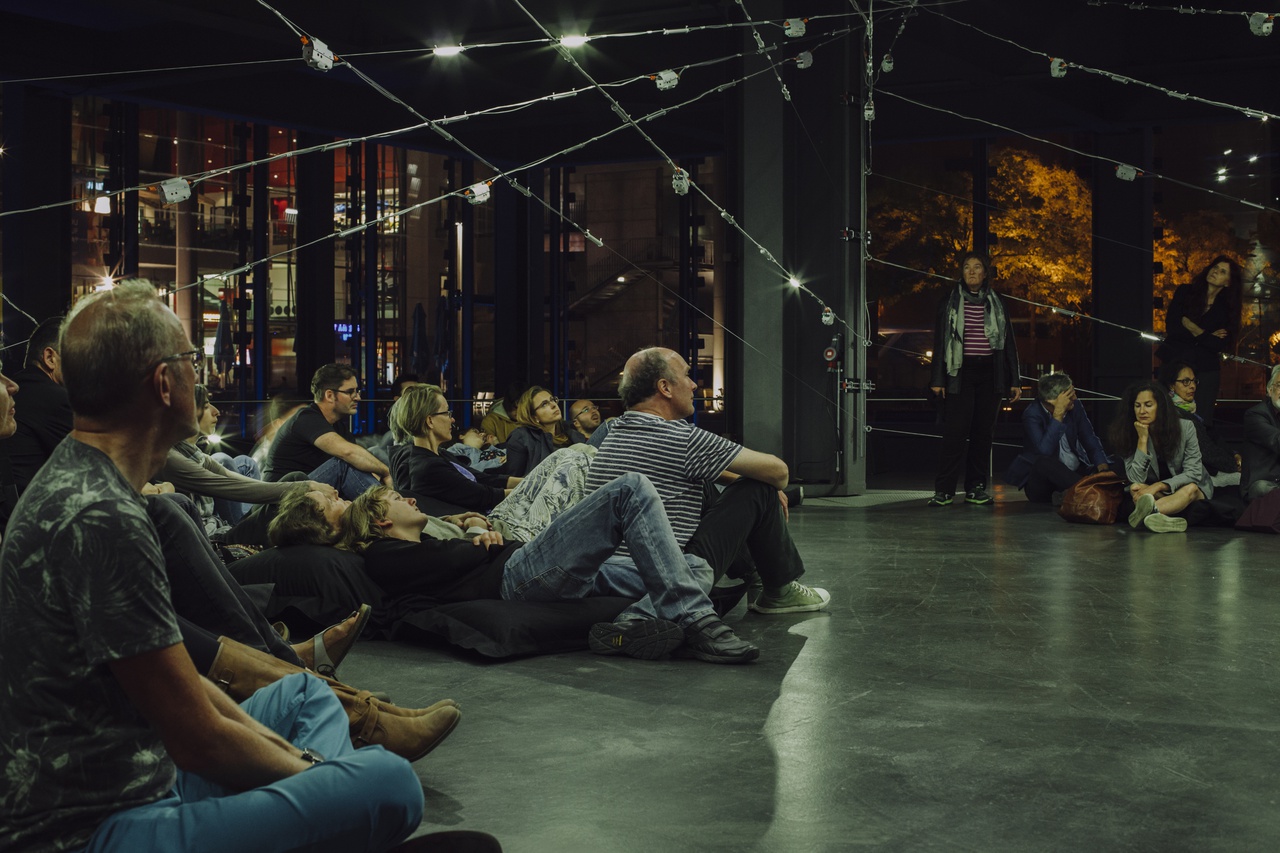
(551, 401)
(195, 355)
(1185, 381)
(350, 392)
(447, 413)
(588, 410)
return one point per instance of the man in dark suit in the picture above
(1060, 444)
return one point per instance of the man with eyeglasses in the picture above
(317, 443)
(584, 416)
(111, 738)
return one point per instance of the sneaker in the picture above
(978, 496)
(1143, 507)
(646, 639)
(1157, 523)
(795, 597)
(712, 641)
(940, 499)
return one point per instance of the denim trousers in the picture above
(350, 482)
(229, 510)
(573, 559)
(356, 799)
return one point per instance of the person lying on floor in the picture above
(571, 559)
(518, 508)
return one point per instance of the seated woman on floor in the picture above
(221, 494)
(1161, 458)
(542, 431)
(519, 508)
(1260, 472)
(1059, 441)
(1221, 464)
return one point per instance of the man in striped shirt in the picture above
(744, 527)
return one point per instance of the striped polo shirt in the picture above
(975, 333)
(676, 456)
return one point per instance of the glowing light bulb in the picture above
(793, 281)
(102, 204)
(574, 41)
(449, 50)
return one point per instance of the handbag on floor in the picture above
(1262, 515)
(1094, 499)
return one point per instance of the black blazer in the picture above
(1260, 455)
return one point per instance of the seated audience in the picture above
(113, 739)
(1223, 465)
(1059, 443)
(542, 431)
(316, 442)
(520, 511)
(1260, 472)
(1161, 459)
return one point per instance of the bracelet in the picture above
(309, 754)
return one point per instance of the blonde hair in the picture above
(408, 415)
(526, 415)
(359, 523)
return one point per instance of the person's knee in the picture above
(389, 784)
(1191, 491)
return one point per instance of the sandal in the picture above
(327, 661)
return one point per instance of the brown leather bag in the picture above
(1095, 499)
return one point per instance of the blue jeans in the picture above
(229, 510)
(573, 559)
(350, 482)
(365, 799)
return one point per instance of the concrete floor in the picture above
(986, 679)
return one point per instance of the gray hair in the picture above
(1275, 375)
(1051, 385)
(640, 384)
(108, 343)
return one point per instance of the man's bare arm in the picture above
(764, 467)
(353, 454)
(202, 737)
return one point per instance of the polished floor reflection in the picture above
(987, 679)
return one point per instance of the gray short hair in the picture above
(108, 343)
(1051, 385)
(642, 383)
(1275, 375)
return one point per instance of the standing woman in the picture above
(1161, 458)
(542, 431)
(974, 362)
(1203, 321)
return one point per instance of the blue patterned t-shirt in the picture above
(82, 583)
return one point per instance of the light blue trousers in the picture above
(357, 799)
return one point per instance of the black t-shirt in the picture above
(445, 570)
(294, 447)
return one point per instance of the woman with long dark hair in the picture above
(1203, 321)
(974, 362)
(1161, 458)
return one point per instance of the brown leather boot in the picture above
(408, 732)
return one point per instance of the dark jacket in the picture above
(43, 414)
(437, 483)
(1261, 450)
(1006, 372)
(1201, 352)
(1042, 435)
(1217, 459)
(528, 446)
